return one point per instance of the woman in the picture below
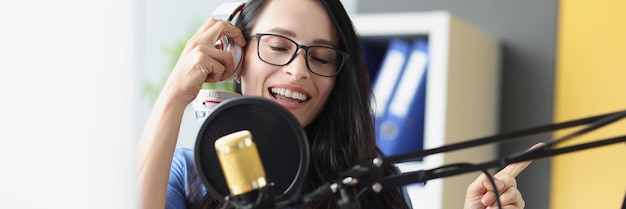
(324, 85)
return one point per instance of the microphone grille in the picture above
(240, 162)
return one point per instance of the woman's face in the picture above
(293, 86)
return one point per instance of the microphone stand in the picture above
(424, 175)
(541, 152)
(369, 177)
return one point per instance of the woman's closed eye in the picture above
(278, 48)
(321, 60)
(322, 56)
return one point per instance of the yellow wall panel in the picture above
(590, 80)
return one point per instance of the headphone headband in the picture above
(228, 10)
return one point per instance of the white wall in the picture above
(68, 117)
(71, 79)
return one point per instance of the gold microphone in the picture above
(240, 162)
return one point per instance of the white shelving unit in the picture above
(462, 94)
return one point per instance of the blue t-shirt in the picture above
(185, 189)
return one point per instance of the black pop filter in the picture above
(279, 137)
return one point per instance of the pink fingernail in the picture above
(486, 200)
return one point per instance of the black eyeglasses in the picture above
(279, 51)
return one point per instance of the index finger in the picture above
(517, 168)
(235, 34)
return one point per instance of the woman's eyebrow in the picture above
(283, 31)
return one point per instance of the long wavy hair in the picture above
(343, 135)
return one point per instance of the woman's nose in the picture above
(298, 68)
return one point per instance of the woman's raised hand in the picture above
(201, 61)
(480, 193)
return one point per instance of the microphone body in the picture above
(243, 171)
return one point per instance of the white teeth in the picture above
(289, 93)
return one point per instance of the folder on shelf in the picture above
(401, 128)
(390, 70)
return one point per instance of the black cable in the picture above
(489, 176)
(495, 188)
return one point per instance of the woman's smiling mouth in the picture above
(288, 95)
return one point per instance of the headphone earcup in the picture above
(236, 51)
(237, 59)
(227, 11)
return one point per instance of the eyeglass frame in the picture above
(345, 56)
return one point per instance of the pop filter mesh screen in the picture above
(280, 140)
